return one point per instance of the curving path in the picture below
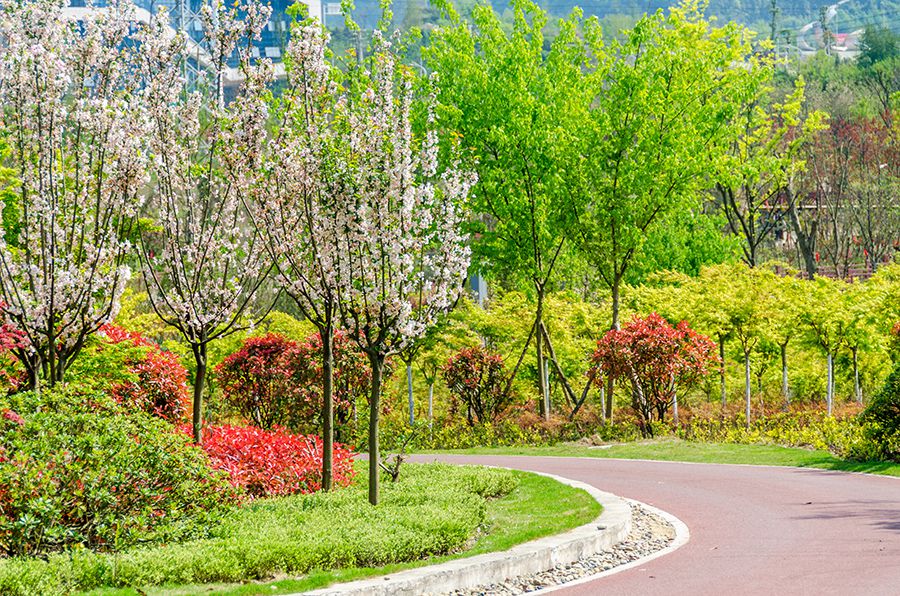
(754, 529)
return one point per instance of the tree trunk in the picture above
(327, 333)
(377, 364)
(785, 388)
(199, 384)
(615, 304)
(857, 388)
(610, 383)
(543, 403)
(747, 387)
(602, 402)
(722, 370)
(806, 241)
(829, 391)
(675, 407)
(409, 391)
(430, 402)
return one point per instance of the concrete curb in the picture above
(529, 558)
(682, 536)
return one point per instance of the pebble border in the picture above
(650, 534)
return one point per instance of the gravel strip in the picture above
(649, 533)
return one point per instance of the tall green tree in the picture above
(512, 96)
(763, 155)
(661, 99)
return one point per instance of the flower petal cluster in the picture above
(76, 132)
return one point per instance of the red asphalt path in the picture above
(754, 529)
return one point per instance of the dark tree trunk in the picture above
(722, 371)
(377, 364)
(409, 389)
(785, 389)
(327, 333)
(747, 387)
(199, 385)
(544, 401)
(610, 382)
(806, 241)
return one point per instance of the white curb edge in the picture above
(682, 536)
(528, 558)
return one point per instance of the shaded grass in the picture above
(669, 449)
(537, 506)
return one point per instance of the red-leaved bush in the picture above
(352, 377)
(269, 463)
(259, 380)
(654, 358)
(272, 380)
(12, 342)
(160, 387)
(476, 377)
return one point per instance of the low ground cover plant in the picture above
(433, 509)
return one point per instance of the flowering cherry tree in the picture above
(206, 262)
(71, 112)
(655, 358)
(296, 201)
(403, 259)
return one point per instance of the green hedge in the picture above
(433, 509)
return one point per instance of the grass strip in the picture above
(670, 449)
(519, 507)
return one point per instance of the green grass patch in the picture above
(669, 449)
(436, 512)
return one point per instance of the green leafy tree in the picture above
(827, 322)
(764, 142)
(512, 100)
(650, 133)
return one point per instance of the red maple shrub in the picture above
(157, 383)
(269, 463)
(477, 378)
(352, 377)
(12, 342)
(259, 380)
(272, 380)
(655, 359)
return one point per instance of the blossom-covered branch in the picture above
(73, 117)
(206, 262)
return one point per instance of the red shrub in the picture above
(259, 380)
(476, 377)
(352, 376)
(12, 373)
(655, 358)
(161, 386)
(272, 463)
(273, 381)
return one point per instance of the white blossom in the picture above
(207, 260)
(74, 123)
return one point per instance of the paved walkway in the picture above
(754, 529)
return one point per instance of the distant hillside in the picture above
(847, 16)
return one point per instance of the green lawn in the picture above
(669, 449)
(537, 506)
